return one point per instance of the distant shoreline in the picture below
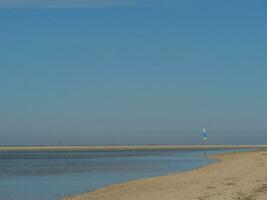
(123, 148)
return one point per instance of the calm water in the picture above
(52, 175)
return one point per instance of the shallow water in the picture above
(52, 175)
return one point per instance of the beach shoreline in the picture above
(241, 176)
(125, 148)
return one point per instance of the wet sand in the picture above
(238, 176)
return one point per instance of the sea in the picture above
(52, 175)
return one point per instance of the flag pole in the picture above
(204, 148)
(204, 140)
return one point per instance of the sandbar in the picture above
(237, 176)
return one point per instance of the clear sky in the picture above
(133, 71)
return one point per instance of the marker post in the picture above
(204, 141)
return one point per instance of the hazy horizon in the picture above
(132, 72)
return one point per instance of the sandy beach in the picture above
(240, 176)
(123, 148)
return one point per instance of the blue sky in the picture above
(133, 72)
